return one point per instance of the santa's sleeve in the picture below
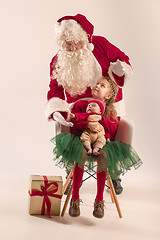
(55, 96)
(113, 54)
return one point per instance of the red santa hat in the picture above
(100, 103)
(82, 20)
(75, 27)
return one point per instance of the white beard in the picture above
(76, 71)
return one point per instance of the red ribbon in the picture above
(44, 193)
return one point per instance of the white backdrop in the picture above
(26, 47)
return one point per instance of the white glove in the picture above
(60, 119)
(117, 68)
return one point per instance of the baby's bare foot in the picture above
(89, 150)
(96, 151)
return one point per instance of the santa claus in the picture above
(82, 59)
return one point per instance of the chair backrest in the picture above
(125, 131)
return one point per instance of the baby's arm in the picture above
(94, 118)
(78, 116)
(81, 116)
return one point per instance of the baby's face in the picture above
(93, 108)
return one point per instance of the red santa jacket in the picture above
(105, 53)
(81, 123)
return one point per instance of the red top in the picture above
(81, 123)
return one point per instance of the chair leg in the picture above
(69, 192)
(114, 197)
(110, 192)
(67, 200)
(67, 181)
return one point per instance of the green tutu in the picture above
(116, 157)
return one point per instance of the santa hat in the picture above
(76, 25)
(100, 103)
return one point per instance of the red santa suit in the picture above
(105, 53)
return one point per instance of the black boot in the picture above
(117, 186)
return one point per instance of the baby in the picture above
(88, 137)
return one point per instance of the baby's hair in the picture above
(110, 109)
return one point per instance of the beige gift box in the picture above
(45, 191)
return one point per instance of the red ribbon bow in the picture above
(44, 193)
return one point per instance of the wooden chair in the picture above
(125, 135)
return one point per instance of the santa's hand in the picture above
(95, 126)
(117, 68)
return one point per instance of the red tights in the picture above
(77, 179)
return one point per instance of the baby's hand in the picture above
(70, 115)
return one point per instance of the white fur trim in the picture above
(110, 73)
(90, 46)
(56, 105)
(127, 71)
(120, 108)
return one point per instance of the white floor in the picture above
(140, 206)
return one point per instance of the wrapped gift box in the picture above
(45, 195)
